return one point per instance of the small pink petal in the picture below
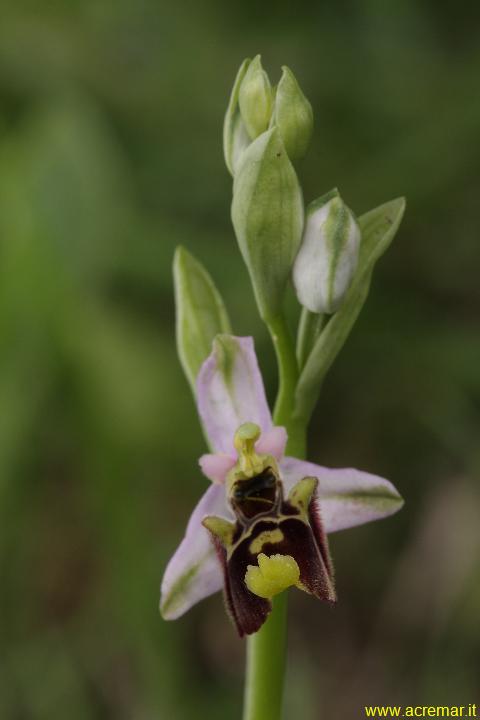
(215, 467)
(272, 442)
(347, 497)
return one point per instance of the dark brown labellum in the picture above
(270, 525)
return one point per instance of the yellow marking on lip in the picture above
(267, 536)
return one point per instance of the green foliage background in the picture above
(110, 156)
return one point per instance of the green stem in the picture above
(287, 383)
(309, 329)
(266, 649)
(266, 661)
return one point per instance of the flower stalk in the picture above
(287, 382)
(309, 328)
(266, 665)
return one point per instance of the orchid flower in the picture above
(261, 525)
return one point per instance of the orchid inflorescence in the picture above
(261, 526)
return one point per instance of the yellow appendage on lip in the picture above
(272, 575)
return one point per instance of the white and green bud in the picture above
(378, 228)
(267, 214)
(235, 135)
(255, 99)
(328, 257)
(200, 313)
(293, 115)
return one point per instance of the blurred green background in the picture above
(110, 156)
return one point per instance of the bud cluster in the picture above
(255, 106)
(266, 129)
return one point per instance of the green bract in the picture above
(200, 313)
(378, 228)
(255, 99)
(292, 115)
(235, 136)
(267, 214)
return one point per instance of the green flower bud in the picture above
(328, 257)
(235, 136)
(256, 99)
(200, 313)
(293, 115)
(267, 214)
